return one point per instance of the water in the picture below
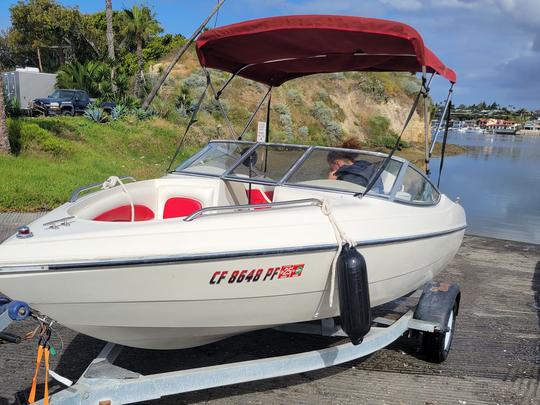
(498, 181)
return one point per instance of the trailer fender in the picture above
(436, 303)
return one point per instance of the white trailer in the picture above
(27, 84)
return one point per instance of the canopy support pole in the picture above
(230, 79)
(443, 149)
(425, 95)
(254, 113)
(192, 121)
(221, 108)
(441, 121)
(150, 97)
(268, 107)
(423, 90)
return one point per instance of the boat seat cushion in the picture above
(180, 207)
(255, 196)
(123, 214)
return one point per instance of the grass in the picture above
(56, 155)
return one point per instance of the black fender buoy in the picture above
(354, 302)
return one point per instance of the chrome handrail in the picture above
(251, 207)
(75, 194)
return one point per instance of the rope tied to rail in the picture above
(113, 181)
(341, 238)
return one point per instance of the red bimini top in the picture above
(277, 49)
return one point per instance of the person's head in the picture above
(337, 159)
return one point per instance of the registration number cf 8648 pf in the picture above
(257, 275)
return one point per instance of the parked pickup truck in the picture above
(66, 102)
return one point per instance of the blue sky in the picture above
(494, 45)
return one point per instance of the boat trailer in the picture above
(104, 383)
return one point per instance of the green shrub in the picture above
(333, 131)
(322, 112)
(323, 95)
(95, 113)
(373, 87)
(33, 136)
(303, 132)
(195, 81)
(380, 134)
(282, 109)
(327, 118)
(141, 114)
(118, 111)
(14, 135)
(13, 108)
(294, 96)
(411, 87)
(286, 123)
(162, 107)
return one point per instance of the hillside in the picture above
(316, 109)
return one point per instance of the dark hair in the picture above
(339, 154)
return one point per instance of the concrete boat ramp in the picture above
(495, 357)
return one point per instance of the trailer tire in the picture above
(436, 345)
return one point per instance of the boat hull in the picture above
(181, 304)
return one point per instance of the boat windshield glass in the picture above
(344, 170)
(267, 163)
(216, 158)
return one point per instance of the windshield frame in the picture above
(308, 149)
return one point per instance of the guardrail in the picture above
(252, 207)
(75, 194)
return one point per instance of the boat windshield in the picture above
(216, 158)
(344, 170)
(301, 166)
(267, 163)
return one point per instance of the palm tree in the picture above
(93, 76)
(140, 24)
(4, 139)
(110, 38)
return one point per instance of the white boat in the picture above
(243, 235)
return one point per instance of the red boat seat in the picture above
(123, 214)
(180, 207)
(255, 196)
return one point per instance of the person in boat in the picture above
(343, 166)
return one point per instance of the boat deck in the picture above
(495, 356)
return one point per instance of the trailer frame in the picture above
(104, 383)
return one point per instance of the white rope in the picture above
(113, 181)
(341, 238)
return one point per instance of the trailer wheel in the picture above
(436, 345)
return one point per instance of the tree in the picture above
(110, 38)
(4, 139)
(91, 76)
(45, 23)
(141, 24)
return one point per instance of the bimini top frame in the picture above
(277, 49)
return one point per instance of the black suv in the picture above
(65, 102)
